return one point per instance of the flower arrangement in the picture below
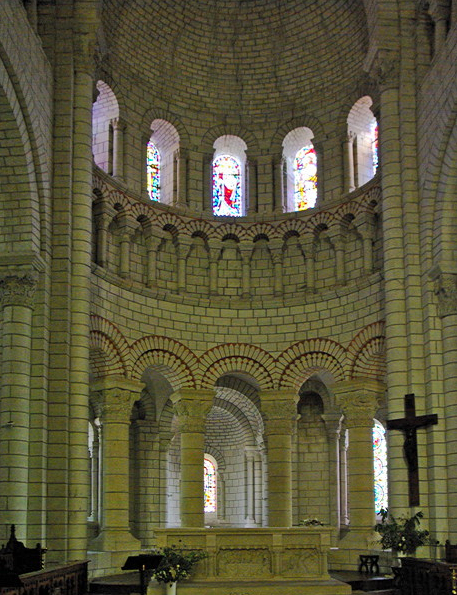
(176, 564)
(311, 523)
(403, 534)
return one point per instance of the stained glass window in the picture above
(153, 171)
(210, 486)
(374, 145)
(305, 178)
(380, 467)
(227, 186)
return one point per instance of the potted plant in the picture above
(176, 565)
(403, 534)
(310, 522)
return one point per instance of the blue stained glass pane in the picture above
(375, 145)
(227, 186)
(305, 178)
(153, 171)
(380, 467)
(210, 490)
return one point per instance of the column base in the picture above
(114, 540)
(355, 542)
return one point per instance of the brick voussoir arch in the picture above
(302, 359)
(238, 357)
(99, 326)
(177, 362)
(366, 352)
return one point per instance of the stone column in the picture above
(446, 289)
(181, 158)
(116, 397)
(118, 127)
(310, 263)
(359, 400)
(17, 291)
(340, 263)
(191, 408)
(318, 146)
(439, 11)
(181, 269)
(85, 26)
(280, 414)
(344, 508)
(333, 427)
(367, 233)
(251, 172)
(249, 453)
(278, 288)
(213, 274)
(278, 183)
(152, 247)
(126, 233)
(348, 154)
(207, 193)
(245, 272)
(104, 215)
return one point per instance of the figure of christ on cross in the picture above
(409, 425)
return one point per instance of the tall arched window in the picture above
(228, 185)
(300, 163)
(210, 484)
(153, 171)
(362, 144)
(380, 467)
(305, 178)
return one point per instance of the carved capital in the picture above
(191, 409)
(359, 400)
(385, 68)
(18, 289)
(279, 411)
(118, 124)
(114, 397)
(446, 291)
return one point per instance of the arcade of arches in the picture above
(221, 238)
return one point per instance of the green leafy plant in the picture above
(401, 534)
(311, 523)
(176, 564)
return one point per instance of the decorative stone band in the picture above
(114, 397)
(191, 408)
(18, 289)
(359, 400)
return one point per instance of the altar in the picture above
(255, 561)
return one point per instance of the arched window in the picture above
(300, 163)
(228, 184)
(305, 178)
(153, 171)
(362, 145)
(210, 484)
(374, 145)
(380, 466)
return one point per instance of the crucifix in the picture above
(409, 425)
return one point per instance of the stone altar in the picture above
(255, 561)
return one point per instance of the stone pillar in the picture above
(278, 288)
(340, 263)
(251, 171)
(333, 427)
(348, 154)
(344, 508)
(118, 127)
(278, 183)
(445, 278)
(181, 270)
(85, 26)
(310, 264)
(439, 11)
(126, 229)
(191, 408)
(104, 215)
(213, 274)
(17, 291)
(359, 400)
(318, 146)
(116, 397)
(181, 158)
(280, 414)
(245, 273)
(249, 453)
(207, 205)
(367, 233)
(152, 246)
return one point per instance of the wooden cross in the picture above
(409, 425)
